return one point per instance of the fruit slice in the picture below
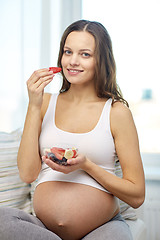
(74, 152)
(58, 152)
(55, 69)
(68, 153)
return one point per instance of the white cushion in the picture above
(13, 192)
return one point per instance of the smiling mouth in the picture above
(74, 70)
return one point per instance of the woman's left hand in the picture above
(73, 164)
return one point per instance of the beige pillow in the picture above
(13, 192)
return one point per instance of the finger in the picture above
(43, 85)
(43, 81)
(53, 165)
(71, 161)
(39, 74)
(60, 168)
(40, 85)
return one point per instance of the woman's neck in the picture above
(79, 93)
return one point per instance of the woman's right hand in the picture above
(36, 84)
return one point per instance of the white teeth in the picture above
(74, 71)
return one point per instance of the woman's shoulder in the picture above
(119, 109)
(121, 116)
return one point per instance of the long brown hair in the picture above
(105, 72)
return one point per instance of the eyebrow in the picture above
(85, 49)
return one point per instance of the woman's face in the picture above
(78, 60)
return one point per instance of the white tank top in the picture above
(97, 145)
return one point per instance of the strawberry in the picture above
(55, 69)
(74, 153)
(58, 152)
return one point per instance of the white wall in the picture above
(30, 35)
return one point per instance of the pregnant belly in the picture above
(72, 210)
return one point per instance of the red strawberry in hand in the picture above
(55, 69)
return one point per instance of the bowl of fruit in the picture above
(60, 155)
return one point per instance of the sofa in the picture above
(17, 194)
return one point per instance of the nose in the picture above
(74, 60)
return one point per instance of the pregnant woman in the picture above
(90, 114)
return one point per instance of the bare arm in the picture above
(28, 160)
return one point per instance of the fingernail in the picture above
(69, 161)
